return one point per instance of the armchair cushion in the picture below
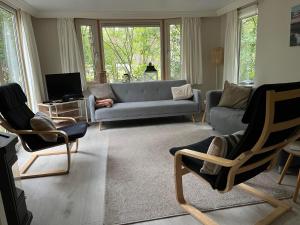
(220, 146)
(41, 122)
(196, 164)
(74, 131)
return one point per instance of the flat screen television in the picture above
(64, 87)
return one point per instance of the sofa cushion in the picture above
(145, 109)
(227, 120)
(102, 91)
(235, 96)
(182, 92)
(145, 91)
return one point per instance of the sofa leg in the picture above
(100, 125)
(193, 118)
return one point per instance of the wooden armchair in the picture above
(273, 118)
(15, 117)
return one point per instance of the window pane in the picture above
(248, 50)
(128, 50)
(175, 43)
(9, 58)
(88, 52)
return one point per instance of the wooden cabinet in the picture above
(76, 109)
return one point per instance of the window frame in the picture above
(98, 24)
(97, 50)
(244, 13)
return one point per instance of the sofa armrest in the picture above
(92, 107)
(197, 97)
(212, 100)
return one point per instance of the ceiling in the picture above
(128, 5)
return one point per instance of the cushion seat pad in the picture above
(146, 109)
(196, 164)
(74, 131)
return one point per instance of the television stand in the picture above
(76, 109)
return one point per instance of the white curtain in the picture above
(191, 60)
(231, 48)
(11, 63)
(71, 60)
(31, 60)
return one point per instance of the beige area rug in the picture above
(140, 182)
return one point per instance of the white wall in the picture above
(211, 38)
(276, 61)
(46, 35)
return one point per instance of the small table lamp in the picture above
(150, 73)
(217, 59)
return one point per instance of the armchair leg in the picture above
(285, 168)
(25, 175)
(100, 126)
(197, 214)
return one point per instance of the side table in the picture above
(294, 151)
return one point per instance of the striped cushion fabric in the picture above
(42, 122)
(220, 146)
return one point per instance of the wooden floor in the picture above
(78, 198)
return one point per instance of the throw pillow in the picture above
(42, 122)
(182, 92)
(104, 103)
(102, 91)
(220, 146)
(235, 96)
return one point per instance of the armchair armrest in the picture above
(31, 132)
(92, 107)
(197, 98)
(205, 157)
(70, 119)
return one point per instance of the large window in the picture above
(88, 52)
(247, 56)
(10, 70)
(173, 54)
(129, 49)
(111, 49)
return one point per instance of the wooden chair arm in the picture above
(31, 132)
(205, 157)
(64, 118)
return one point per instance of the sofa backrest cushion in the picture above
(145, 91)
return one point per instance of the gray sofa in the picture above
(224, 120)
(145, 100)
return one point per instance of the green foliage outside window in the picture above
(248, 48)
(175, 43)
(129, 50)
(88, 52)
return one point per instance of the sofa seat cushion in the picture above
(227, 120)
(146, 109)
